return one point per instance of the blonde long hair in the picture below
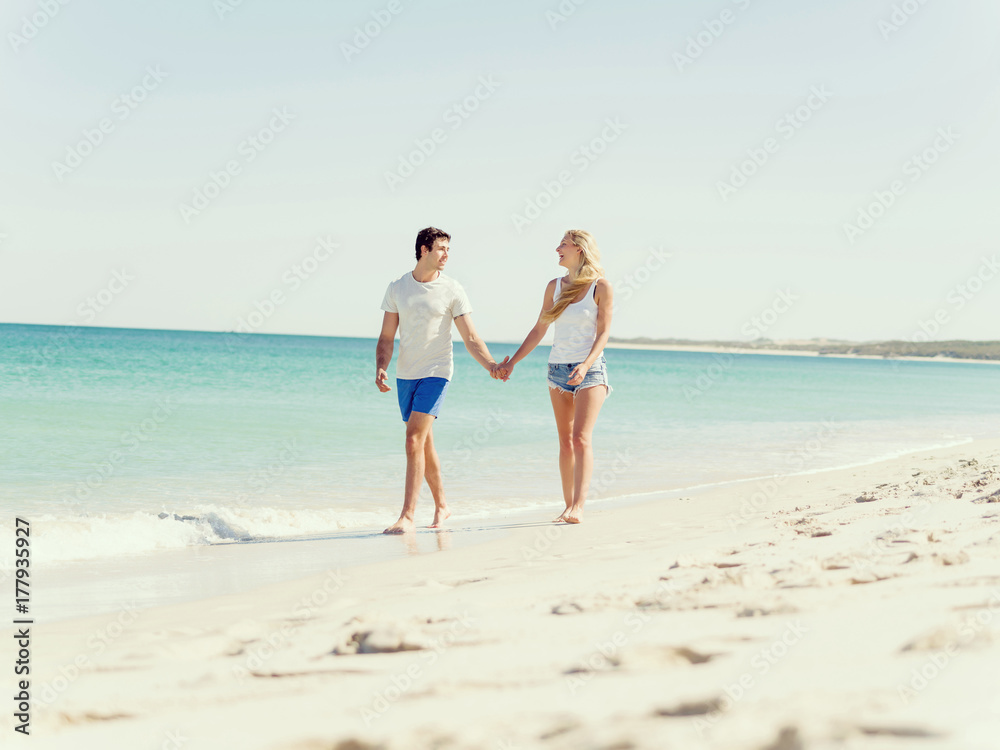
(590, 270)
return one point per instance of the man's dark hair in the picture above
(427, 237)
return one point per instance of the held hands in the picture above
(380, 378)
(576, 377)
(502, 370)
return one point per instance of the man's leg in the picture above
(418, 427)
(432, 473)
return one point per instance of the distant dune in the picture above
(984, 350)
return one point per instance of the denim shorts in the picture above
(596, 375)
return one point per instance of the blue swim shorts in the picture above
(596, 375)
(424, 395)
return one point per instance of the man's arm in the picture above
(476, 346)
(383, 350)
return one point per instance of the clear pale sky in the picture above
(533, 88)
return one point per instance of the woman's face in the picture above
(570, 255)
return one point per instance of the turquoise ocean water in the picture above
(124, 441)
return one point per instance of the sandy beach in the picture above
(853, 608)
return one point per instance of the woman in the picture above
(580, 306)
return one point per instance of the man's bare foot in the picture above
(440, 516)
(402, 526)
(573, 515)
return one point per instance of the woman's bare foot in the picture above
(440, 516)
(402, 526)
(562, 516)
(573, 515)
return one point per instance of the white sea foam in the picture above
(85, 537)
(64, 538)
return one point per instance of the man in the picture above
(422, 305)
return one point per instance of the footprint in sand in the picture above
(899, 732)
(788, 739)
(691, 708)
(317, 744)
(992, 498)
(760, 610)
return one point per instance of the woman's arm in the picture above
(537, 333)
(604, 297)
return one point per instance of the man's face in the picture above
(437, 256)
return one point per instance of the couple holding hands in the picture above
(422, 304)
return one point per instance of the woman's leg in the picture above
(588, 406)
(562, 407)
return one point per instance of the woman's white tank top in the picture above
(575, 329)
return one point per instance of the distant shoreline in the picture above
(987, 352)
(719, 348)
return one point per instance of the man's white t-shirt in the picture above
(426, 310)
